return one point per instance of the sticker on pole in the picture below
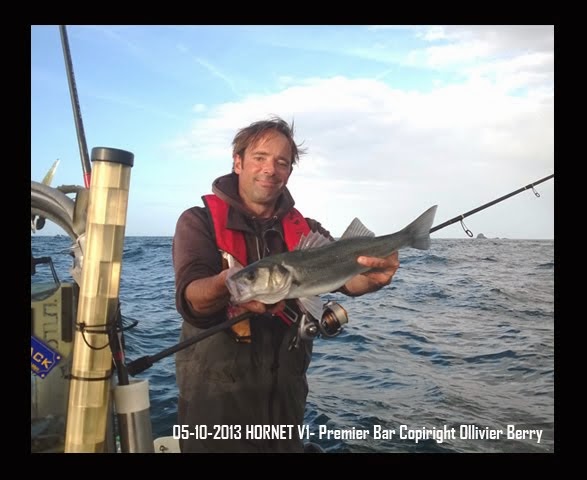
(43, 359)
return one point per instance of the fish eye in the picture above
(250, 275)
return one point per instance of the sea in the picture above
(456, 355)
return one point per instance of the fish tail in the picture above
(419, 230)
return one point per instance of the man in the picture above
(246, 375)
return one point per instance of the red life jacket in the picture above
(233, 241)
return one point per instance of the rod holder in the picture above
(134, 417)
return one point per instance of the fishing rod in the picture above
(77, 115)
(141, 364)
(482, 207)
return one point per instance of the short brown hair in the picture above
(249, 135)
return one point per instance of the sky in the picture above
(394, 119)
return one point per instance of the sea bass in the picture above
(319, 266)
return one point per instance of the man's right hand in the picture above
(257, 307)
(253, 305)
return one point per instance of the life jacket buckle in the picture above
(288, 315)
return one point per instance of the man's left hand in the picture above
(380, 275)
(384, 268)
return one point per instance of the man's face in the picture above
(264, 170)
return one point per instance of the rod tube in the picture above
(89, 396)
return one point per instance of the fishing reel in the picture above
(334, 317)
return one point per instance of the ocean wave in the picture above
(464, 334)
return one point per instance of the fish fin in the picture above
(231, 261)
(312, 305)
(312, 240)
(419, 229)
(357, 229)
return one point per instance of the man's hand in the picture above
(385, 268)
(252, 306)
(383, 271)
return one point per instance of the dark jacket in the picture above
(222, 382)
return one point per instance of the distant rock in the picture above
(481, 236)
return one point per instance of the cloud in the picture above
(366, 138)
(467, 116)
(217, 73)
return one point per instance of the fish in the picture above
(319, 265)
